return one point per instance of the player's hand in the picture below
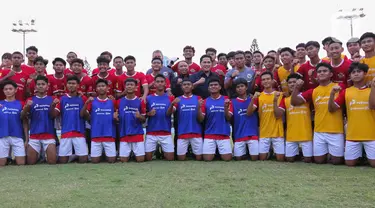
(143, 98)
(29, 81)
(201, 80)
(226, 103)
(175, 101)
(235, 73)
(295, 62)
(89, 100)
(115, 116)
(310, 72)
(299, 84)
(256, 95)
(11, 73)
(257, 73)
(29, 103)
(276, 96)
(152, 112)
(286, 94)
(179, 80)
(220, 72)
(200, 103)
(111, 97)
(151, 85)
(356, 57)
(137, 114)
(335, 89)
(55, 102)
(276, 66)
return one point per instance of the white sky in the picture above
(139, 27)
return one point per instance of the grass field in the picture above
(187, 184)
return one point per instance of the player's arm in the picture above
(26, 109)
(253, 104)
(252, 84)
(5, 75)
(200, 115)
(52, 111)
(172, 106)
(333, 106)
(227, 110)
(372, 95)
(296, 98)
(86, 108)
(141, 116)
(278, 112)
(228, 81)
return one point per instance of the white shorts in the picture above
(17, 144)
(292, 148)
(196, 145)
(166, 143)
(353, 150)
(328, 143)
(240, 148)
(224, 146)
(37, 144)
(67, 145)
(278, 145)
(97, 149)
(127, 147)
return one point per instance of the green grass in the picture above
(187, 184)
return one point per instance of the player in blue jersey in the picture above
(188, 107)
(11, 131)
(245, 128)
(131, 114)
(42, 129)
(101, 113)
(159, 120)
(216, 110)
(73, 125)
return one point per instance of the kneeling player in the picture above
(100, 111)
(131, 111)
(11, 131)
(188, 107)
(298, 120)
(42, 129)
(216, 110)
(245, 128)
(73, 125)
(360, 114)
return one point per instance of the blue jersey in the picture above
(129, 124)
(160, 122)
(10, 119)
(102, 121)
(187, 114)
(244, 126)
(41, 123)
(216, 123)
(71, 121)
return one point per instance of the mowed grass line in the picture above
(187, 184)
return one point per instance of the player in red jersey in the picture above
(301, 53)
(142, 83)
(85, 85)
(217, 68)
(69, 58)
(188, 53)
(258, 59)
(6, 61)
(118, 63)
(269, 64)
(108, 56)
(354, 48)
(103, 65)
(40, 65)
(156, 65)
(222, 60)
(31, 54)
(57, 81)
(17, 75)
(340, 65)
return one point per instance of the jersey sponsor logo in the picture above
(359, 105)
(188, 107)
(249, 76)
(83, 87)
(321, 100)
(71, 106)
(267, 108)
(38, 107)
(103, 111)
(165, 74)
(158, 106)
(215, 108)
(242, 112)
(192, 70)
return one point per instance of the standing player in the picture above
(103, 65)
(108, 56)
(188, 53)
(40, 65)
(269, 65)
(118, 63)
(69, 58)
(11, 131)
(340, 66)
(101, 113)
(42, 132)
(230, 58)
(188, 109)
(271, 127)
(222, 60)
(368, 46)
(57, 81)
(131, 114)
(165, 71)
(217, 68)
(159, 110)
(157, 64)
(217, 112)
(248, 59)
(308, 69)
(85, 82)
(257, 59)
(301, 53)
(288, 67)
(328, 127)
(31, 54)
(245, 128)
(73, 125)
(6, 61)
(298, 120)
(360, 114)
(354, 47)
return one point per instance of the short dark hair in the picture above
(8, 82)
(106, 53)
(78, 60)
(214, 79)
(266, 73)
(127, 58)
(72, 53)
(360, 66)
(101, 81)
(221, 54)
(6, 56)
(31, 48)
(326, 40)
(130, 79)
(102, 59)
(259, 53)
(118, 57)
(367, 35)
(301, 45)
(324, 64)
(248, 52)
(312, 43)
(186, 80)
(293, 76)
(271, 51)
(159, 76)
(230, 54)
(239, 53)
(240, 81)
(189, 47)
(73, 78)
(211, 50)
(287, 49)
(41, 59)
(17, 53)
(42, 78)
(205, 56)
(156, 58)
(270, 57)
(58, 59)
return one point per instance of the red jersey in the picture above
(68, 71)
(340, 72)
(96, 71)
(57, 85)
(258, 82)
(138, 76)
(85, 85)
(218, 67)
(193, 68)
(31, 87)
(20, 78)
(111, 79)
(308, 72)
(28, 69)
(150, 80)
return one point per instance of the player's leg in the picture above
(18, 147)
(353, 151)
(279, 148)
(336, 144)
(110, 151)
(225, 149)
(197, 147)
(291, 150)
(5, 144)
(320, 148)
(33, 151)
(65, 150)
(125, 150)
(264, 148)
(49, 147)
(150, 146)
(307, 151)
(370, 152)
(138, 149)
(253, 146)
(182, 147)
(167, 145)
(209, 149)
(81, 149)
(239, 150)
(96, 151)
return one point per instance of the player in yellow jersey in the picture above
(288, 67)
(329, 127)
(271, 128)
(361, 118)
(368, 46)
(298, 120)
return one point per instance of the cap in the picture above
(326, 40)
(335, 40)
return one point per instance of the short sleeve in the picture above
(229, 74)
(116, 104)
(89, 106)
(307, 95)
(256, 102)
(340, 100)
(167, 84)
(143, 79)
(58, 106)
(143, 108)
(282, 104)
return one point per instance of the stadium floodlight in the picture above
(355, 13)
(24, 28)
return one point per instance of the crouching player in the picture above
(298, 120)
(11, 131)
(245, 128)
(73, 125)
(131, 112)
(360, 115)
